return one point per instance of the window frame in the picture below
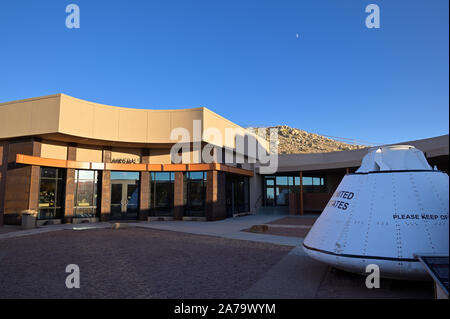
(186, 194)
(96, 191)
(153, 182)
(61, 175)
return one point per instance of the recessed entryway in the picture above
(124, 195)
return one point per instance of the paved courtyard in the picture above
(180, 260)
(133, 263)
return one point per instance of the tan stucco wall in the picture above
(89, 154)
(212, 120)
(84, 120)
(126, 154)
(98, 121)
(54, 150)
(64, 114)
(29, 117)
(160, 156)
(193, 156)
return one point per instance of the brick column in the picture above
(178, 196)
(144, 198)
(33, 201)
(3, 169)
(22, 181)
(105, 202)
(216, 195)
(70, 186)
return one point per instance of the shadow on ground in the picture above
(341, 284)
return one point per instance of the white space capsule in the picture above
(393, 207)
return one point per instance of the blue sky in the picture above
(242, 59)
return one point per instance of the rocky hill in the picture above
(294, 141)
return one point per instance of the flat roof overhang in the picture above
(435, 147)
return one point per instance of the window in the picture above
(278, 188)
(51, 193)
(161, 193)
(314, 185)
(86, 194)
(195, 193)
(296, 184)
(282, 190)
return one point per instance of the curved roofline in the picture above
(60, 117)
(131, 108)
(99, 104)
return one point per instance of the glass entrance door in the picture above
(270, 192)
(116, 200)
(124, 195)
(237, 194)
(132, 200)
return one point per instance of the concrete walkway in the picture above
(293, 277)
(51, 228)
(227, 228)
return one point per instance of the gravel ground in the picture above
(132, 263)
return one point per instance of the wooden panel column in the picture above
(178, 196)
(215, 196)
(144, 198)
(105, 202)
(301, 194)
(69, 202)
